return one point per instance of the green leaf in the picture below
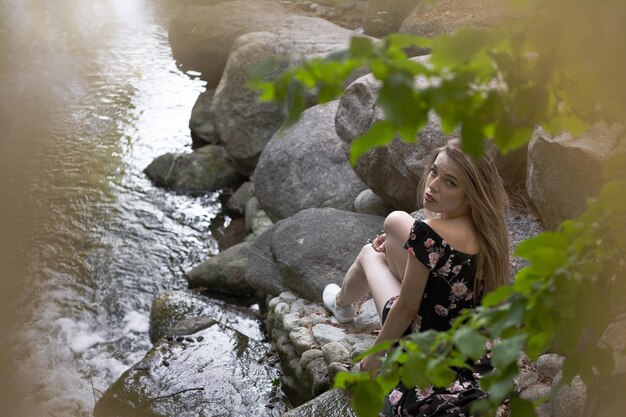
(508, 316)
(461, 47)
(380, 134)
(507, 351)
(361, 47)
(263, 70)
(497, 296)
(413, 371)
(297, 103)
(471, 343)
(368, 398)
(380, 347)
(521, 408)
(439, 372)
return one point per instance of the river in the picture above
(89, 95)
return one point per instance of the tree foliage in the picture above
(559, 65)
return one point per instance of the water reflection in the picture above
(89, 95)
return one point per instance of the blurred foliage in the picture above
(560, 65)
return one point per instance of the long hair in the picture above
(488, 201)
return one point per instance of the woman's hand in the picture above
(380, 243)
(371, 364)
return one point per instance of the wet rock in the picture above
(222, 376)
(564, 171)
(237, 202)
(305, 252)
(305, 167)
(224, 272)
(170, 308)
(334, 403)
(370, 203)
(202, 130)
(205, 169)
(201, 37)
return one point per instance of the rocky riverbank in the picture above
(307, 214)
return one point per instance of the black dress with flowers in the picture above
(449, 290)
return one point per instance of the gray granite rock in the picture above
(324, 333)
(333, 403)
(549, 364)
(302, 339)
(305, 167)
(568, 400)
(335, 352)
(316, 376)
(370, 203)
(237, 202)
(200, 125)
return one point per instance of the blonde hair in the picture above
(488, 200)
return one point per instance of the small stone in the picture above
(190, 339)
(165, 363)
(549, 364)
(316, 376)
(180, 339)
(534, 392)
(273, 303)
(569, 400)
(282, 309)
(290, 322)
(310, 355)
(302, 339)
(335, 352)
(334, 368)
(323, 333)
(288, 297)
(200, 338)
(525, 379)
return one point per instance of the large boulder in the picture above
(393, 171)
(564, 171)
(216, 371)
(200, 125)
(446, 16)
(307, 251)
(205, 169)
(201, 36)
(306, 167)
(244, 124)
(383, 17)
(224, 272)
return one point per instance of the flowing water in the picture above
(89, 95)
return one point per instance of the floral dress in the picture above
(449, 290)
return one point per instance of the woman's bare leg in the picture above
(397, 228)
(369, 273)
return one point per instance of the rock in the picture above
(394, 171)
(564, 171)
(335, 352)
(237, 202)
(367, 320)
(324, 334)
(262, 272)
(202, 130)
(333, 403)
(568, 400)
(203, 170)
(383, 17)
(170, 308)
(305, 167)
(430, 19)
(234, 381)
(310, 355)
(316, 377)
(224, 272)
(522, 225)
(228, 232)
(549, 364)
(244, 124)
(525, 379)
(615, 337)
(302, 339)
(201, 37)
(535, 392)
(306, 252)
(370, 203)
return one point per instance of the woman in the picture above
(422, 274)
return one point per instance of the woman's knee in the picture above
(397, 224)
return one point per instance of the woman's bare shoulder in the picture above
(459, 234)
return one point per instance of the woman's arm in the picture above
(403, 310)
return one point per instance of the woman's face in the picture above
(443, 193)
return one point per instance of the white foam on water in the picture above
(136, 322)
